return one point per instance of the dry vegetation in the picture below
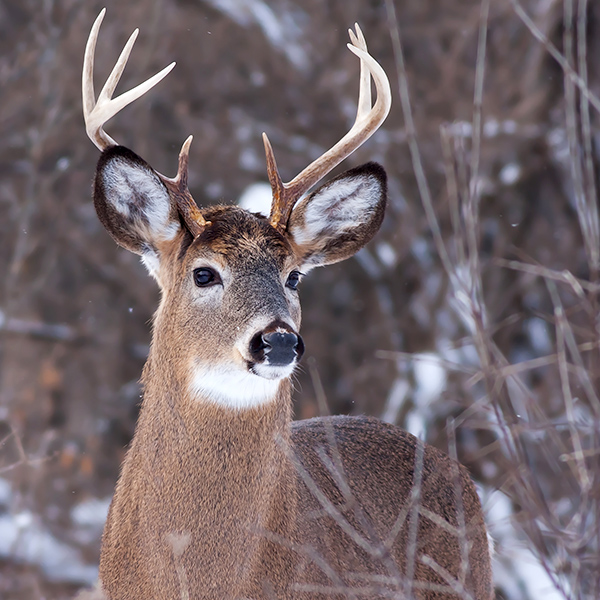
(473, 318)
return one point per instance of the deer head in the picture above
(227, 326)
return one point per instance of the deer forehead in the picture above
(240, 240)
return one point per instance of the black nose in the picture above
(277, 348)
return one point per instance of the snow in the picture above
(430, 378)
(510, 174)
(89, 517)
(257, 198)
(491, 128)
(463, 298)
(516, 569)
(539, 337)
(558, 142)
(461, 129)
(430, 381)
(24, 538)
(386, 254)
(416, 424)
(395, 400)
(91, 512)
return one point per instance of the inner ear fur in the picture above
(132, 202)
(340, 217)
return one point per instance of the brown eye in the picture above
(293, 280)
(205, 277)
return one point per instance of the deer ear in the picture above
(133, 204)
(339, 218)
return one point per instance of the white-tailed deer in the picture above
(221, 495)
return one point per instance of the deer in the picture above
(222, 495)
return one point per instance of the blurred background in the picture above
(472, 319)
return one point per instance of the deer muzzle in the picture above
(277, 345)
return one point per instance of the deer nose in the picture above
(278, 348)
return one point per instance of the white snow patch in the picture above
(510, 174)
(462, 129)
(464, 299)
(386, 254)
(430, 381)
(491, 128)
(517, 572)
(395, 400)
(539, 335)
(25, 539)
(430, 378)
(257, 198)
(63, 163)
(558, 142)
(416, 423)
(91, 513)
(90, 516)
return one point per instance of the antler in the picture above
(97, 112)
(368, 120)
(178, 188)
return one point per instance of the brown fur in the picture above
(217, 502)
(256, 525)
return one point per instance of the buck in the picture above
(221, 494)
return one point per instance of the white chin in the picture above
(273, 372)
(235, 387)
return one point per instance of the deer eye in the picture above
(205, 277)
(293, 280)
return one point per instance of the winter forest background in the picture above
(472, 319)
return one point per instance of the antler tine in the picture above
(364, 93)
(368, 120)
(97, 113)
(178, 188)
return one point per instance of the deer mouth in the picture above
(272, 372)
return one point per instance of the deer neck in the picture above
(229, 451)
(215, 477)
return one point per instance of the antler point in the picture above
(185, 148)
